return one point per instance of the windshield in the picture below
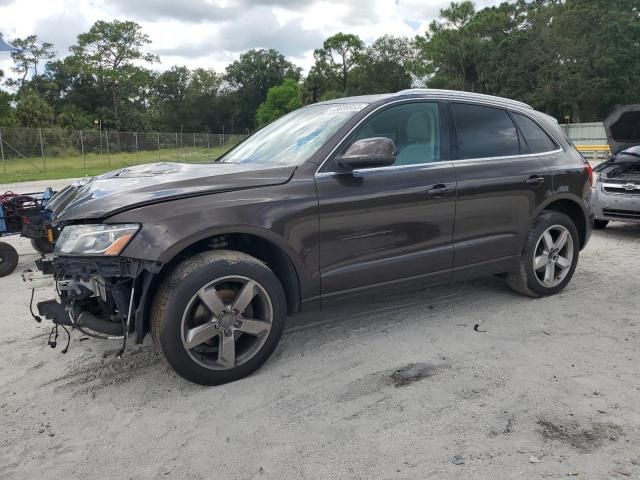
(294, 138)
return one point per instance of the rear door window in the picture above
(484, 132)
(534, 137)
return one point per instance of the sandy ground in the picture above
(395, 387)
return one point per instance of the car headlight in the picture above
(101, 239)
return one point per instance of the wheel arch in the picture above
(257, 244)
(573, 208)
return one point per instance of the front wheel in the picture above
(218, 316)
(549, 258)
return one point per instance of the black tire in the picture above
(524, 280)
(600, 224)
(8, 259)
(42, 245)
(174, 298)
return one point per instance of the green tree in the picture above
(312, 87)
(109, 52)
(33, 111)
(188, 99)
(337, 58)
(281, 99)
(7, 112)
(450, 48)
(32, 52)
(252, 75)
(387, 66)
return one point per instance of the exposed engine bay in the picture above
(629, 172)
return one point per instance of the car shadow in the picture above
(382, 311)
(621, 230)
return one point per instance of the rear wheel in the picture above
(600, 224)
(549, 258)
(8, 259)
(218, 317)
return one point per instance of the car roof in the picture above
(432, 93)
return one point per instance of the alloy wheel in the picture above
(227, 322)
(553, 256)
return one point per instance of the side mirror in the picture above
(369, 153)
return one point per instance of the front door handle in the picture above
(535, 180)
(440, 190)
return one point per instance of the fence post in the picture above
(177, 147)
(4, 165)
(137, 152)
(158, 134)
(208, 143)
(108, 154)
(195, 155)
(44, 165)
(84, 160)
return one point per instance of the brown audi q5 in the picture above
(337, 198)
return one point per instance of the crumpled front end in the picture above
(102, 297)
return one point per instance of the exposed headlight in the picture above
(99, 239)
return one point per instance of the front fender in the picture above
(285, 215)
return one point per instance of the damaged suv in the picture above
(616, 195)
(421, 187)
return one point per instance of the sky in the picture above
(213, 33)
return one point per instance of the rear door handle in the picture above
(535, 180)
(440, 190)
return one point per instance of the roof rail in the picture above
(456, 94)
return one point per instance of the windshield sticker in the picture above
(347, 107)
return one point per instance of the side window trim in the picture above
(328, 167)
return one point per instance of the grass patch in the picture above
(73, 166)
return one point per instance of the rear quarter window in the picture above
(534, 137)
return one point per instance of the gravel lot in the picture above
(398, 387)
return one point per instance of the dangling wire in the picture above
(35, 317)
(66, 349)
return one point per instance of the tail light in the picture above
(589, 170)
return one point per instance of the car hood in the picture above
(623, 128)
(131, 187)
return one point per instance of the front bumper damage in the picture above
(616, 202)
(104, 297)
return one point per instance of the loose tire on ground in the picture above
(191, 292)
(42, 245)
(600, 224)
(524, 279)
(8, 259)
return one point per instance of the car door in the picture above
(500, 184)
(381, 225)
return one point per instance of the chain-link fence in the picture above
(41, 150)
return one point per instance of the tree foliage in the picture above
(575, 58)
(251, 77)
(281, 99)
(338, 57)
(32, 52)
